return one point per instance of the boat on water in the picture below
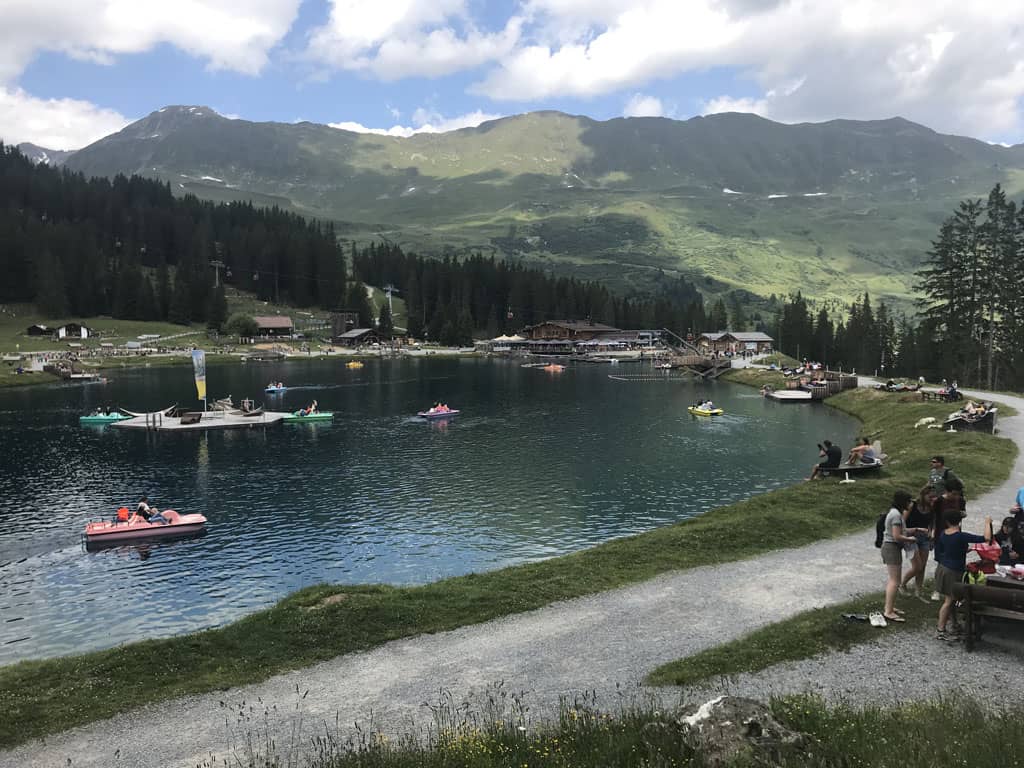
(354, 364)
(705, 411)
(435, 413)
(275, 389)
(299, 416)
(102, 531)
(103, 418)
(554, 368)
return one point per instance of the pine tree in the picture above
(217, 311)
(385, 325)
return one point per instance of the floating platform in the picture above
(790, 395)
(194, 421)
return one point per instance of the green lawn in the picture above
(319, 623)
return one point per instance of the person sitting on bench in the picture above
(862, 454)
(833, 457)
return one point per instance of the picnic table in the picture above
(1001, 597)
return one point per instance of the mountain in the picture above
(730, 200)
(38, 154)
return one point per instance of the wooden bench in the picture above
(980, 601)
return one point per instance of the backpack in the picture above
(880, 529)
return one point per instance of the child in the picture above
(951, 547)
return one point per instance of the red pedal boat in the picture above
(179, 525)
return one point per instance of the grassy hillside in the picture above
(834, 208)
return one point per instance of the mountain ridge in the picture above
(833, 208)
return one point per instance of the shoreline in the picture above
(670, 552)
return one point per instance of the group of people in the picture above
(275, 385)
(862, 453)
(439, 408)
(144, 513)
(931, 522)
(704, 405)
(310, 409)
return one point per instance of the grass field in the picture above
(40, 697)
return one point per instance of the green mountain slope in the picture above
(833, 208)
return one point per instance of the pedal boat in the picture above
(430, 415)
(274, 390)
(180, 525)
(704, 411)
(297, 416)
(103, 418)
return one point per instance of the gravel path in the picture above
(604, 643)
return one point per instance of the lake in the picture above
(537, 465)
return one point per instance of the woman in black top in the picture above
(921, 515)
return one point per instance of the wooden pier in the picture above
(195, 421)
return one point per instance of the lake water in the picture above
(537, 465)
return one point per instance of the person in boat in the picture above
(709, 406)
(313, 408)
(147, 514)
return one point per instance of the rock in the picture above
(728, 727)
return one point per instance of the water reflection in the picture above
(533, 466)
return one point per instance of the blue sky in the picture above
(411, 65)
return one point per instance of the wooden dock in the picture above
(207, 420)
(789, 395)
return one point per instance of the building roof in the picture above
(270, 322)
(577, 325)
(355, 333)
(738, 336)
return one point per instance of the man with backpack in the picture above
(942, 479)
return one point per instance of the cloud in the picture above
(393, 39)
(229, 34)
(54, 123)
(955, 66)
(730, 104)
(424, 121)
(640, 105)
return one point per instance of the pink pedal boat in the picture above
(180, 525)
(434, 414)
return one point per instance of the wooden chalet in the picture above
(735, 342)
(38, 330)
(567, 330)
(341, 321)
(357, 337)
(274, 325)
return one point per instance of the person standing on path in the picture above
(941, 478)
(951, 561)
(920, 517)
(896, 536)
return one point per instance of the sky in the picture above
(71, 73)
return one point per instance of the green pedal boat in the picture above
(299, 417)
(102, 418)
